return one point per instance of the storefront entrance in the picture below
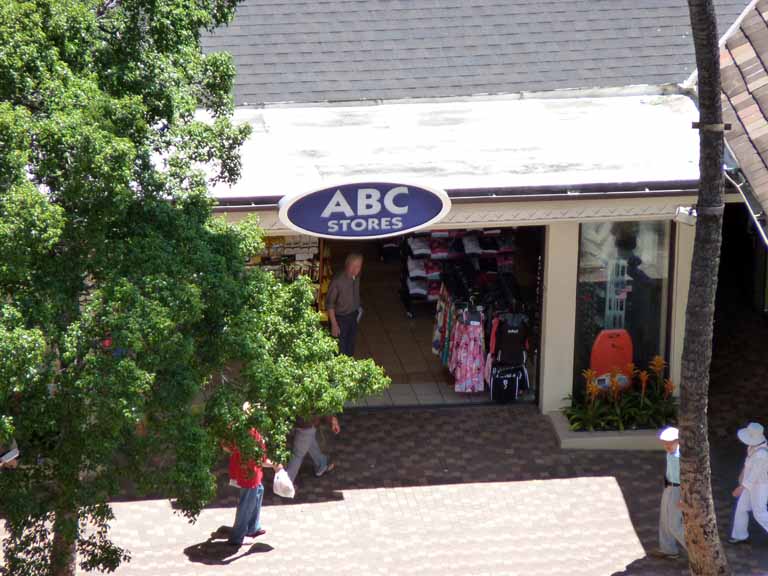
(436, 303)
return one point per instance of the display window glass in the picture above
(622, 297)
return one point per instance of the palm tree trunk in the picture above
(706, 554)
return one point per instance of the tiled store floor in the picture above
(401, 345)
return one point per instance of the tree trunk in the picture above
(64, 549)
(706, 554)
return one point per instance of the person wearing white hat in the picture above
(752, 491)
(671, 533)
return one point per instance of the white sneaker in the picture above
(325, 469)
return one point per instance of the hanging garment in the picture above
(508, 357)
(433, 290)
(466, 361)
(506, 244)
(441, 320)
(471, 245)
(419, 245)
(417, 268)
(508, 341)
(439, 248)
(450, 323)
(417, 287)
(489, 245)
(456, 249)
(488, 368)
(432, 269)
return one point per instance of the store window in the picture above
(622, 296)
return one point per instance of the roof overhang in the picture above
(496, 149)
(743, 58)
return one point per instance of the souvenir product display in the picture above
(483, 324)
(290, 257)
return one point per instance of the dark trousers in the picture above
(347, 332)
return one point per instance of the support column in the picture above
(682, 278)
(561, 259)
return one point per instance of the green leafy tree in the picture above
(131, 332)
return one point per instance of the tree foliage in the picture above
(131, 332)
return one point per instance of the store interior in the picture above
(416, 289)
(453, 317)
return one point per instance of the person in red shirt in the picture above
(247, 476)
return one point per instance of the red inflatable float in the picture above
(612, 350)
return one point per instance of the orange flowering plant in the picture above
(625, 398)
(657, 365)
(642, 377)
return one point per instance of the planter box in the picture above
(612, 440)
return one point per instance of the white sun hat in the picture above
(752, 435)
(669, 434)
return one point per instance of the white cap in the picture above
(669, 434)
(752, 435)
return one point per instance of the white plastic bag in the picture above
(282, 486)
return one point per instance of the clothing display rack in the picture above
(483, 317)
(420, 272)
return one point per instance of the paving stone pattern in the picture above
(465, 491)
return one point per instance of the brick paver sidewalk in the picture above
(464, 491)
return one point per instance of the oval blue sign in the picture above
(364, 210)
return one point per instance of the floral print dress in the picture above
(467, 357)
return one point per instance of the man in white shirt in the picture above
(671, 533)
(752, 491)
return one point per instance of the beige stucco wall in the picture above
(561, 258)
(490, 214)
(682, 277)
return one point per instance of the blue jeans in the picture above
(248, 512)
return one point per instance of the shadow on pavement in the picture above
(216, 552)
(650, 566)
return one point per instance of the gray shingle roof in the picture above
(340, 50)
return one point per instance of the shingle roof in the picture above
(743, 61)
(341, 50)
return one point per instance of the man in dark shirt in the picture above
(343, 303)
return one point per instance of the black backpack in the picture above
(507, 382)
